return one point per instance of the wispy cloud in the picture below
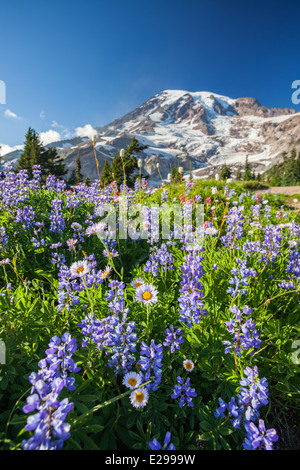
(9, 114)
(42, 114)
(56, 125)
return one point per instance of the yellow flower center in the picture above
(188, 365)
(139, 397)
(147, 295)
(138, 284)
(132, 381)
(80, 269)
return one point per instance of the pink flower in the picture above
(208, 200)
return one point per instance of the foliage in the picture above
(286, 173)
(249, 259)
(35, 154)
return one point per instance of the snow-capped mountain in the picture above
(201, 130)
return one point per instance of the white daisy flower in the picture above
(188, 365)
(95, 228)
(76, 226)
(132, 380)
(139, 397)
(211, 231)
(79, 268)
(137, 282)
(105, 273)
(146, 294)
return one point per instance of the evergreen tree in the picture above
(72, 179)
(35, 154)
(291, 169)
(126, 164)
(117, 170)
(79, 176)
(52, 164)
(175, 175)
(106, 176)
(247, 171)
(239, 173)
(225, 172)
(32, 152)
(191, 174)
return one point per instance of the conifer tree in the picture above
(175, 175)
(106, 176)
(247, 170)
(35, 154)
(225, 172)
(79, 176)
(52, 164)
(32, 152)
(239, 173)
(126, 164)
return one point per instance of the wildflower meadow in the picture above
(173, 326)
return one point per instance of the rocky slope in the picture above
(198, 130)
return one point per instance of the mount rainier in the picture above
(198, 130)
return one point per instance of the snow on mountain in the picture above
(198, 130)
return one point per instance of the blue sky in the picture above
(68, 64)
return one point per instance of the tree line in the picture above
(124, 167)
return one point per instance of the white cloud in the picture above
(8, 113)
(42, 114)
(86, 131)
(49, 136)
(4, 149)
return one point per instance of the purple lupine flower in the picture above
(155, 445)
(151, 360)
(191, 307)
(159, 258)
(173, 338)
(184, 392)
(245, 336)
(240, 279)
(253, 393)
(48, 423)
(56, 217)
(258, 437)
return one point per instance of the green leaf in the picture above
(206, 426)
